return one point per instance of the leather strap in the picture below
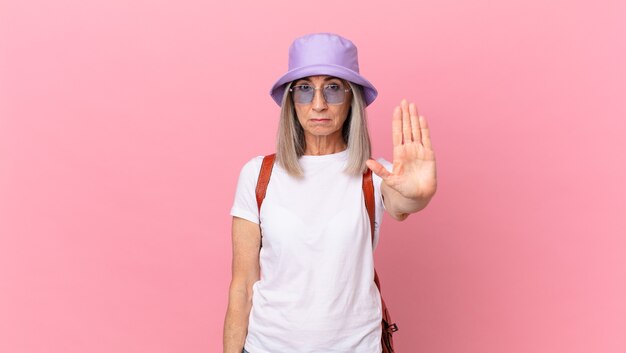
(368, 193)
(264, 178)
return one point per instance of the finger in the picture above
(406, 122)
(415, 124)
(425, 131)
(378, 169)
(396, 127)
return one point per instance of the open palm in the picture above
(414, 174)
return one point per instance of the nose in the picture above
(319, 103)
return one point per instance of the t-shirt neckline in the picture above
(338, 156)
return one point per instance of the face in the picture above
(320, 118)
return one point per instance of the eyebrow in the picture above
(326, 79)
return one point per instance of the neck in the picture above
(321, 145)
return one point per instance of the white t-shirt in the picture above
(316, 293)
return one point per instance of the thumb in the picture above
(378, 169)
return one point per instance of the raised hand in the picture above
(414, 174)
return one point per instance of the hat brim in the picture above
(278, 89)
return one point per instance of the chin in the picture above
(322, 132)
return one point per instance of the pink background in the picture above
(123, 127)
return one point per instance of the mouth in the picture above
(319, 120)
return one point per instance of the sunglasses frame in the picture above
(345, 90)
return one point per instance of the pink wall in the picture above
(123, 126)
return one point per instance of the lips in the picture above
(317, 120)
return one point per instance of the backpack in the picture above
(387, 327)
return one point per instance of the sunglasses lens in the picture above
(303, 94)
(333, 94)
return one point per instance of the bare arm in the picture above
(245, 272)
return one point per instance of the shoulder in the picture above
(249, 173)
(245, 204)
(253, 165)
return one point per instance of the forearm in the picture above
(236, 321)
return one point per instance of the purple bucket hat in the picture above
(323, 54)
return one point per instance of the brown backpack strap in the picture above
(368, 192)
(261, 185)
(264, 178)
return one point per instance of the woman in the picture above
(309, 285)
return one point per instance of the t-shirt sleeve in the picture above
(244, 205)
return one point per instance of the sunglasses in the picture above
(334, 93)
